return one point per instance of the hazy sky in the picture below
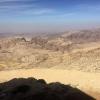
(48, 15)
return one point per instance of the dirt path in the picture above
(88, 82)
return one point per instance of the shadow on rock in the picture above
(32, 89)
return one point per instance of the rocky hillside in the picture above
(79, 50)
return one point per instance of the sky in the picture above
(20, 16)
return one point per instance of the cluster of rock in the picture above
(38, 42)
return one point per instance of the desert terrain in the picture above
(78, 50)
(71, 57)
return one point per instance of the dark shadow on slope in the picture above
(32, 89)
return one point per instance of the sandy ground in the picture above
(87, 82)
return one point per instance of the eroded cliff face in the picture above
(79, 51)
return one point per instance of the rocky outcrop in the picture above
(39, 41)
(33, 89)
